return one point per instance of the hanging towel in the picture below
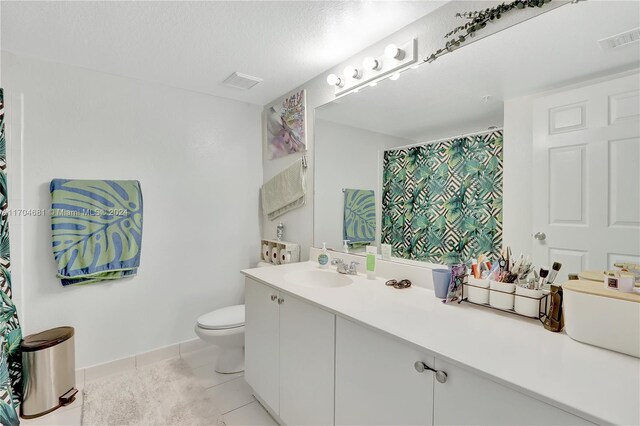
(284, 192)
(359, 225)
(97, 229)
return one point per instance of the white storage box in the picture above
(606, 318)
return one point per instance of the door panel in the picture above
(261, 342)
(376, 381)
(468, 399)
(307, 338)
(586, 179)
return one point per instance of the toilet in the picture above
(224, 328)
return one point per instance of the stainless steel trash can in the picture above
(49, 376)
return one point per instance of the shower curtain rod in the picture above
(497, 129)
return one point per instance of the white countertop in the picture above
(598, 385)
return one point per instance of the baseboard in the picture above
(84, 375)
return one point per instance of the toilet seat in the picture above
(223, 318)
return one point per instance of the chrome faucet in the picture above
(343, 268)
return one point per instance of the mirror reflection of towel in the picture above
(359, 225)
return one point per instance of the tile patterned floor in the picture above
(230, 392)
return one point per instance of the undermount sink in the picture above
(318, 279)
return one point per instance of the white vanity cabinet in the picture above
(376, 380)
(289, 355)
(468, 399)
(261, 341)
(313, 367)
(378, 383)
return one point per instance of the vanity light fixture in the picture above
(392, 51)
(334, 80)
(352, 72)
(395, 59)
(372, 63)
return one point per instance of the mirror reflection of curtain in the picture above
(442, 201)
(10, 332)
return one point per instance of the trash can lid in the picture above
(46, 339)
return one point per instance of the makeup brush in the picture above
(554, 272)
(544, 273)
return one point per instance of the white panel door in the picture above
(586, 179)
(468, 399)
(376, 381)
(307, 338)
(261, 342)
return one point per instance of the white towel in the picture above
(284, 192)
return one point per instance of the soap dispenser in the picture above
(324, 258)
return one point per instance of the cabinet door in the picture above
(376, 380)
(306, 363)
(468, 399)
(261, 342)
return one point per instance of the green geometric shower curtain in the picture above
(442, 202)
(10, 332)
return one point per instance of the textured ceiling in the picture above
(196, 45)
(559, 47)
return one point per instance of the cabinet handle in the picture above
(273, 297)
(420, 367)
(280, 301)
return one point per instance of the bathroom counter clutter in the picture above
(598, 385)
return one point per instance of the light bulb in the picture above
(392, 51)
(351, 72)
(334, 80)
(371, 63)
(395, 76)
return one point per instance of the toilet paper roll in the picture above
(274, 256)
(285, 256)
(266, 253)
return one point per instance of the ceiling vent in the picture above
(241, 81)
(619, 40)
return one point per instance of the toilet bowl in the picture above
(225, 328)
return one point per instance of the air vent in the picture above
(623, 39)
(241, 81)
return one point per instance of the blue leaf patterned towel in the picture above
(97, 229)
(359, 226)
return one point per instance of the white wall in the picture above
(429, 30)
(198, 160)
(346, 157)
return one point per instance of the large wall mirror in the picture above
(528, 137)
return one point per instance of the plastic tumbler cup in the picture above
(441, 280)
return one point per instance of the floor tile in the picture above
(208, 377)
(252, 414)
(231, 395)
(71, 417)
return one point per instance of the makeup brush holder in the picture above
(280, 252)
(505, 297)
